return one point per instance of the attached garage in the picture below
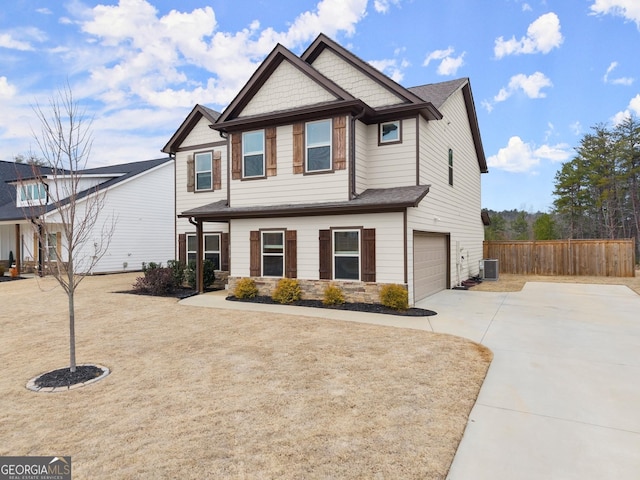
(430, 264)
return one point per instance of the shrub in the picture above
(150, 266)
(178, 268)
(287, 291)
(209, 273)
(245, 288)
(156, 281)
(333, 295)
(394, 296)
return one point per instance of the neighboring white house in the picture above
(139, 201)
(325, 170)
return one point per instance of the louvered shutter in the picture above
(236, 156)
(191, 174)
(182, 248)
(298, 148)
(340, 143)
(368, 255)
(325, 254)
(224, 252)
(217, 170)
(291, 254)
(254, 254)
(270, 146)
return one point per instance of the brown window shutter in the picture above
(236, 156)
(298, 148)
(368, 255)
(191, 174)
(272, 161)
(59, 245)
(217, 170)
(254, 253)
(224, 252)
(340, 143)
(182, 248)
(325, 254)
(36, 249)
(291, 254)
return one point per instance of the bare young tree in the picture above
(71, 231)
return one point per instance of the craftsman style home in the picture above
(325, 170)
(138, 201)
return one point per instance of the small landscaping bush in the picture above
(178, 268)
(333, 295)
(287, 291)
(156, 281)
(245, 288)
(209, 273)
(150, 266)
(394, 296)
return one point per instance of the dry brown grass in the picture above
(514, 283)
(203, 393)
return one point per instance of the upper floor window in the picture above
(33, 191)
(273, 254)
(204, 171)
(318, 146)
(253, 154)
(346, 254)
(389, 132)
(450, 167)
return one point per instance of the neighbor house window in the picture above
(318, 146)
(211, 245)
(204, 171)
(346, 254)
(273, 254)
(52, 247)
(389, 132)
(253, 154)
(450, 167)
(34, 191)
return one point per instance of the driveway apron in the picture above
(562, 396)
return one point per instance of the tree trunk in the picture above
(72, 332)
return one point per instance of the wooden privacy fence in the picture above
(603, 258)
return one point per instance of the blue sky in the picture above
(542, 72)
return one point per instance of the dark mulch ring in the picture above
(354, 307)
(179, 293)
(63, 377)
(5, 278)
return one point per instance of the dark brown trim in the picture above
(475, 128)
(196, 114)
(418, 159)
(203, 146)
(394, 142)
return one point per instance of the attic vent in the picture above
(489, 269)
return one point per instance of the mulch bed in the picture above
(63, 377)
(354, 307)
(4, 278)
(179, 293)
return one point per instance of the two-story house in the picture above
(326, 170)
(136, 199)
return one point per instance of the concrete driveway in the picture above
(562, 397)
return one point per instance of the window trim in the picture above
(204, 250)
(51, 247)
(245, 154)
(390, 142)
(281, 255)
(334, 255)
(329, 144)
(196, 171)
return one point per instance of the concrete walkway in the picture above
(562, 396)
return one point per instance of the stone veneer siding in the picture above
(354, 292)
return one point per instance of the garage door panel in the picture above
(430, 264)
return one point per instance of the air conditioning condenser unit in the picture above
(489, 267)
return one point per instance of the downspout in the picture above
(352, 154)
(199, 269)
(225, 135)
(176, 254)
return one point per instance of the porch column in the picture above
(18, 256)
(199, 258)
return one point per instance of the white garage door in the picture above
(429, 264)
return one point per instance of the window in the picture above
(389, 132)
(211, 248)
(34, 191)
(253, 154)
(346, 254)
(318, 146)
(52, 247)
(204, 171)
(450, 167)
(272, 254)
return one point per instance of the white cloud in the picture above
(632, 109)
(382, 6)
(521, 157)
(629, 9)
(526, 7)
(6, 89)
(449, 64)
(616, 81)
(531, 85)
(576, 128)
(391, 67)
(7, 41)
(44, 11)
(543, 35)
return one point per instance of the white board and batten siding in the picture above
(287, 188)
(354, 80)
(286, 88)
(143, 210)
(389, 242)
(447, 209)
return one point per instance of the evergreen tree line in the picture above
(597, 193)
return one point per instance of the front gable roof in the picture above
(197, 113)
